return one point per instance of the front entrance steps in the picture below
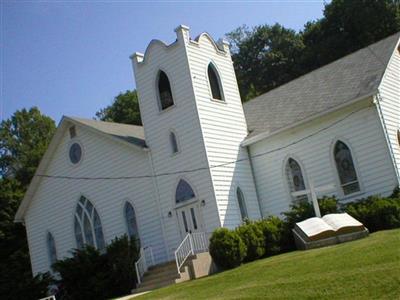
(162, 275)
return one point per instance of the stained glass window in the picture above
(345, 168)
(131, 223)
(242, 204)
(87, 225)
(51, 248)
(295, 179)
(184, 192)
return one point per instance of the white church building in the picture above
(203, 159)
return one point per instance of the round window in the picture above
(75, 153)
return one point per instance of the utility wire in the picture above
(206, 168)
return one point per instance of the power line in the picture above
(206, 168)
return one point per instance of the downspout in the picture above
(155, 183)
(254, 180)
(377, 100)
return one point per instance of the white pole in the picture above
(314, 200)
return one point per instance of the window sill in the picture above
(218, 101)
(349, 196)
(166, 109)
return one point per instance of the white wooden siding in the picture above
(361, 130)
(183, 120)
(390, 103)
(223, 127)
(53, 206)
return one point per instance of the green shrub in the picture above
(89, 274)
(376, 213)
(254, 239)
(121, 257)
(272, 228)
(227, 248)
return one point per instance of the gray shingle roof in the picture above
(353, 76)
(130, 133)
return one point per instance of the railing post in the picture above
(137, 273)
(191, 243)
(177, 264)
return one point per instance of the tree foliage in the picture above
(268, 56)
(124, 109)
(24, 138)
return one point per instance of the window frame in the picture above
(219, 81)
(69, 145)
(246, 217)
(157, 90)
(81, 220)
(285, 176)
(125, 204)
(340, 190)
(178, 147)
(49, 254)
(185, 202)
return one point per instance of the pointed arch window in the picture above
(51, 248)
(131, 221)
(173, 142)
(87, 225)
(295, 179)
(242, 204)
(164, 91)
(345, 168)
(215, 83)
(184, 192)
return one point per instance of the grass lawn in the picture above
(363, 269)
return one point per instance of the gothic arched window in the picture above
(295, 179)
(242, 203)
(345, 168)
(87, 225)
(215, 82)
(131, 221)
(173, 142)
(51, 248)
(183, 192)
(164, 91)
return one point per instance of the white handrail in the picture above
(192, 243)
(49, 298)
(141, 265)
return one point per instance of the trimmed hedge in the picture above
(253, 237)
(270, 236)
(227, 248)
(376, 213)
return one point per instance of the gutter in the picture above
(267, 134)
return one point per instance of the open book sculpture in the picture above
(329, 230)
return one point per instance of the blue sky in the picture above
(72, 58)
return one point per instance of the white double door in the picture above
(189, 218)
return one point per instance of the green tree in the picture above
(124, 109)
(265, 57)
(23, 140)
(346, 27)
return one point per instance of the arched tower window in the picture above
(295, 179)
(87, 225)
(131, 221)
(183, 192)
(51, 248)
(164, 91)
(345, 168)
(215, 82)
(173, 142)
(242, 203)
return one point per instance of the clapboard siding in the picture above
(223, 127)
(184, 121)
(53, 206)
(390, 103)
(363, 133)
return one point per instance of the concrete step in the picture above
(153, 285)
